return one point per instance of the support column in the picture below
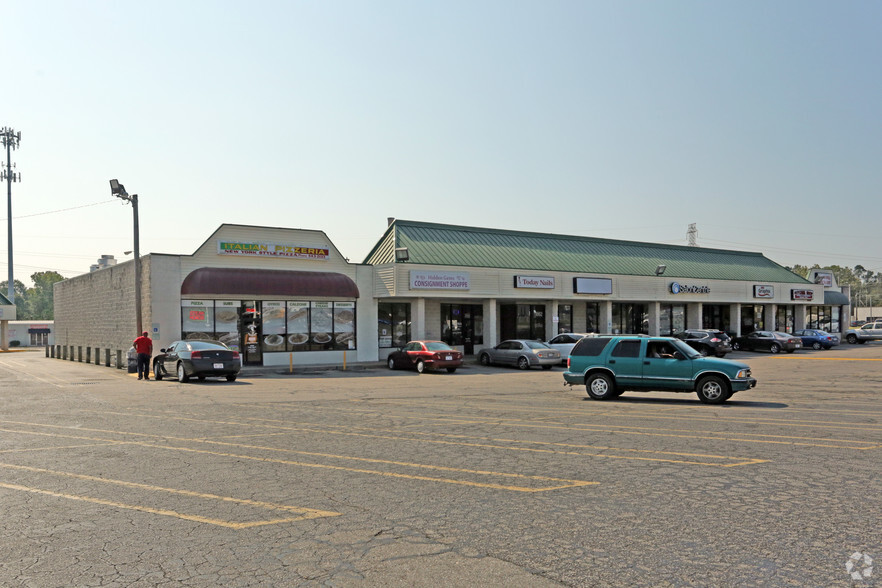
(693, 315)
(654, 312)
(418, 319)
(799, 317)
(491, 323)
(606, 317)
(735, 319)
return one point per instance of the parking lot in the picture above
(489, 476)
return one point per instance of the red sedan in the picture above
(423, 355)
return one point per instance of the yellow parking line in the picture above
(739, 460)
(303, 513)
(447, 420)
(562, 482)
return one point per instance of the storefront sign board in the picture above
(439, 280)
(802, 295)
(824, 278)
(763, 291)
(260, 249)
(678, 288)
(533, 282)
(592, 286)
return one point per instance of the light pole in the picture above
(10, 139)
(119, 191)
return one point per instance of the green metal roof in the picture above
(437, 244)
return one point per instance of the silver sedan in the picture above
(521, 353)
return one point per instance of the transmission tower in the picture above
(690, 235)
(10, 139)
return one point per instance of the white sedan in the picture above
(564, 342)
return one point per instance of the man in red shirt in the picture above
(144, 348)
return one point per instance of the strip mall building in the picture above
(280, 295)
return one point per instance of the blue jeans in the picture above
(144, 365)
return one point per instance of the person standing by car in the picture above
(144, 348)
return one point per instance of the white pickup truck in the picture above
(867, 332)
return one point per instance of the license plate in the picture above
(448, 357)
(218, 366)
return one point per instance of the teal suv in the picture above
(608, 366)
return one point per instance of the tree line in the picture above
(36, 303)
(866, 285)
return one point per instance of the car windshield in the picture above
(685, 349)
(438, 346)
(536, 345)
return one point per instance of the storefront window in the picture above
(630, 318)
(226, 316)
(393, 326)
(825, 318)
(522, 321)
(784, 318)
(592, 317)
(752, 318)
(197, 319)
(272, 316)
(671, 319)
(565, 318)
(298, 325)
(322, 325)
(462, 324)
(715, 316)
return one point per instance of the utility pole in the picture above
(690, 235)
(10, 139)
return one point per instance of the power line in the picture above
(59, 210)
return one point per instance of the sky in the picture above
(759, 121)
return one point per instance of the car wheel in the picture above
(851, 339)
(601, 386)
(816, 345)
(523, 363)
(182, 374)
(420, 366)
(451, 370)
(391, 363)
(157, 372)
(736, 346)
(712, 390)
(485, 359)
(547, 367)
(231, 378)
(774, 348)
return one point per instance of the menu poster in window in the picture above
(344, 325)
(197, 316)
(272, 316)
(322, 322)
(226, 316)
(298, 323)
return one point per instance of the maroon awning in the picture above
(208, 281)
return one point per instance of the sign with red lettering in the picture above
(802, 295)
(197, 315)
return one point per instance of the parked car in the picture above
(522, 353)
(423, 355)
(200, 359)
(564, 343)
(609, 366)
(816, 339)
(864, 333)
(706, 341)
(771, 341)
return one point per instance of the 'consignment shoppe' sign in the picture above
(430, 280)
(272, 250)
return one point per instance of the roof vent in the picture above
(390, 220)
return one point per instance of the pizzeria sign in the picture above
(260, 249)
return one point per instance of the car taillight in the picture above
(715, 340)
(196, 355)
(568, 363)
(235, 355)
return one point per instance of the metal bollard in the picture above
(119, 363)
(79, 353)
(97, 356)
(88, 354)
(107, 357)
